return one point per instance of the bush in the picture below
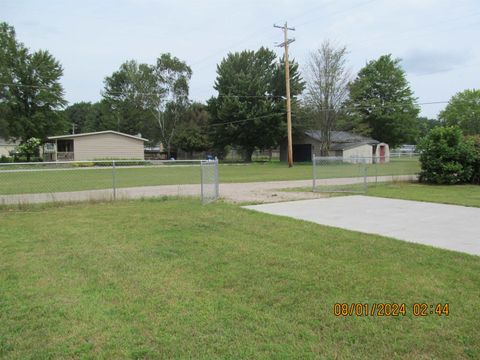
(6, 159)
(476, 168)
(447, 157)
(29, 150)
(84, 164)
(24, 158)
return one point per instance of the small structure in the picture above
(94, 146)
(351, 147)
(7, 146)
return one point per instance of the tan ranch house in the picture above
(94, 146)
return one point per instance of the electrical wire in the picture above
(266, 96)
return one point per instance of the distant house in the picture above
(343, 144)
(93, 146)
(7, 146)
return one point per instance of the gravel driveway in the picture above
(254, 192)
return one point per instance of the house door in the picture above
(382, 153)
(302, 152)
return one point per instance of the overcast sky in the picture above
(437, 39)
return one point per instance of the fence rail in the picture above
(356, 173)
(103, 180)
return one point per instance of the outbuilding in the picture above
(95, 146)
(349, 146)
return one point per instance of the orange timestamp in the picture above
(389, 309)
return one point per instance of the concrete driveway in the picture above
(445, 226)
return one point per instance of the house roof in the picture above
(342, 137)
(346, 146)
(71, 136)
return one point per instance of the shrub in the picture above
(6, 159)
(476, 168)
(84, 164)
(447, 157)
(29, 150)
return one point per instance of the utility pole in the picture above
(285, 44)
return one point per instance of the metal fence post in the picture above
(314, 183)
(114, 185)
(365, 175)
(217, 180)
(201, 182)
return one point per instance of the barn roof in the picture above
(342, 137)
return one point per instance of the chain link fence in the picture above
(68, 181)
(210, 182)
(354, 174)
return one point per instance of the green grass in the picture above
(468, 195)
(173, 279)
(94, 178)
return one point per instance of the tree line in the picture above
(247, 113)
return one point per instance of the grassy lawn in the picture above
(173, 279)
(468, 195)
(94, 178)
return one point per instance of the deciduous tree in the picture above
(463, 110)
(127, 93)
(30, 90)
(327, 88)
(192, 130)
(381, 98)
(149, 99)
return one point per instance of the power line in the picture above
(237, 96)
(322, 110)
(331, 109)
(30, 86)
(385, 106)
(266, 96)
(245, 120)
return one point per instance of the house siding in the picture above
(111, 146)
(362, 151)
(6, 147)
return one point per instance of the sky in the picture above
(437, 40)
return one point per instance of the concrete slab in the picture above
(445, 226)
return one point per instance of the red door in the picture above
(382, 153)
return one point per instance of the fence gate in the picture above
(209, 180)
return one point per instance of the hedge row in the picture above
(448, 157)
